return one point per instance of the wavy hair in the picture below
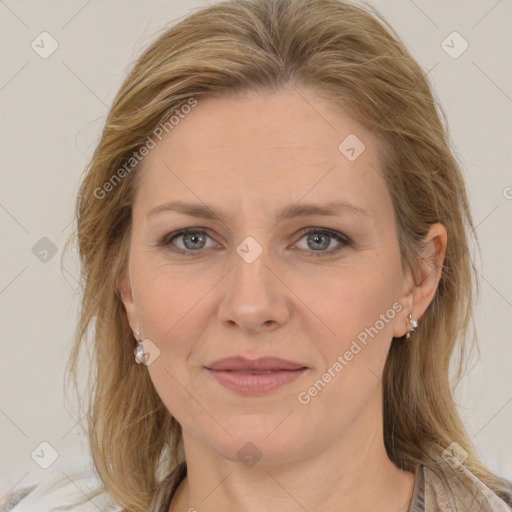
(351, 56)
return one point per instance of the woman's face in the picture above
(254, 284)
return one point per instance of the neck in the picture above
(354, 474)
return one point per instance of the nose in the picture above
(254, 297)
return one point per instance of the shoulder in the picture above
(14, 497)
(74, 488)
(465, 493)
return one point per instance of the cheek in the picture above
(170, 309)
(361, 314)
(172, 318)
(355, 300)
(361, 309)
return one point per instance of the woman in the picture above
(273, 236)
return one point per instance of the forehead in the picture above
(263, 146)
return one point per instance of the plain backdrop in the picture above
(52, 112)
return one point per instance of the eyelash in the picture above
(339, 237)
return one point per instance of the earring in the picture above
(139, 350)
(413, 322)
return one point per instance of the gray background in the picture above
(52, 113)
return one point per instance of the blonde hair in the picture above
(350, 55)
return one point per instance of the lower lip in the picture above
(253, 383)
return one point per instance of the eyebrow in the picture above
(289, 212)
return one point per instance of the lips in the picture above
(261, 365)
(256, 377)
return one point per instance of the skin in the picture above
(250, 155)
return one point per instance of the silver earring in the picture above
(413, 323)
(139, 350)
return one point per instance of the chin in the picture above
(260, 441)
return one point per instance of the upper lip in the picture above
(260, 364)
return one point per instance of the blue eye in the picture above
(192, 237)
(318, 239)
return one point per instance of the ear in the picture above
(125, 290)
(420, 285)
